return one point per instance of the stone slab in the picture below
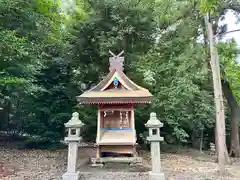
(71, 176)
(97, 164)
(117, 160)
(132, 161)
(155, 138)
(156, 176)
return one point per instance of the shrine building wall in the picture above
(117, 118)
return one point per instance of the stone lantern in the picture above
(73, 139)
(154, 138)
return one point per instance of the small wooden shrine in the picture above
(116, 96)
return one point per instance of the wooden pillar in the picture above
(133, 130)
(98, 125)
(98, 152)
(98, 132)
(132, 118)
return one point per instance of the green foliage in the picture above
(178, 78)
(40, 143)
(52, 107)
(209, 5)
(47, 7)
(24, 48)
(112, 26)
(230, 67)
(16, 54)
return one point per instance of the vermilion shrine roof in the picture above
(116, 87)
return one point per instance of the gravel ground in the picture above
(49, 165)
(91, 176)
(115, 176)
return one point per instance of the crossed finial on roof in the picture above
(116, 55)
(116, 62)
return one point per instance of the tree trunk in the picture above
(194, 138)
(201, 141)
(6, 115)
(220, 117)
(216, 141)
(235, 118)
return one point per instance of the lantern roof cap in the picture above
(153, 122)
(74, 122)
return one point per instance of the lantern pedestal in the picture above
(71, 173)
(154, 138)
(73, 125)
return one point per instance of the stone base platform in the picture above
(132, 161)
(156, 176)
(71, 176)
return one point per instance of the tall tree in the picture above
(220, 116)
(220, 8)
(20, 55)
(31, 46)
(210, 7)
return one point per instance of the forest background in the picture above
(51, 52)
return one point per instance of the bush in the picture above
(41, 143)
